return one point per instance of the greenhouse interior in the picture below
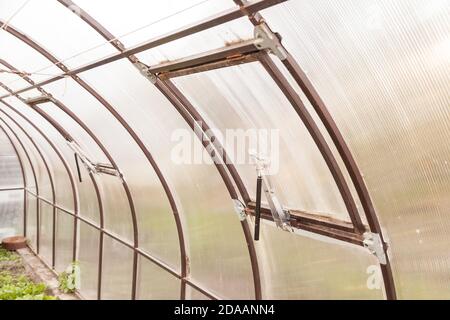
(226, 149)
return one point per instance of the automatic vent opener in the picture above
(90, 165)
(280, 216)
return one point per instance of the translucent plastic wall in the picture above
(143, 226)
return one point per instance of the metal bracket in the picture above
(92, 166)
(373, 242)
(265, 39)
(44, 98)
(144, 70)
(280, 216)
(240, 209)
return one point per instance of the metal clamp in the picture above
(145, 71)
(267, 40)
(240, 209)
(373, 242)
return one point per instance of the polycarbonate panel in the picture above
(115, 203)
(243, 101)
(381, 68)
(116, 208)
(157, 229)
(88, 202)
(155, 283)
(9, 9)
(31, 234)
(218, 253)
(64, 240)
(211, 39)
(41, 172)
(308, 266)
(29, 60)
(10, 170)
(81, 46)
(117, 270)
(61, 178)
(150, 20)
(45, 231)
(30, 182)
(11, 213)
(193, 294)
(88, 258)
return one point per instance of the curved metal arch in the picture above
(74, 188)
(118, 117)
(182, 105)
(24, 180)
(76, 216)
(52, 185)
(33, 171)
(336, 136)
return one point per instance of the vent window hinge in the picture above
(145, 71)
(265, 39)
(263, 184)
(91, 166)
(373, 242)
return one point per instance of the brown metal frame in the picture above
(180, 104)
(208, 23)
(24, 181)
(221, 58)
(34, 178)
(352, 168)
(47, 168)
(58, 153)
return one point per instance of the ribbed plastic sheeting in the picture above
(380, 66)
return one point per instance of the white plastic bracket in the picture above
(373, 242)
(240, 209)
(144, 70)
(265, 39)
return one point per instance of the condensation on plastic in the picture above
(244, 100)
(156, 284)
(306, 266)
(88, 259)
(10, 170)
(45, 231)
(210, 223)
(117, 270)
(70, 35)
(64, 240)
(382, 69)
(11, 213)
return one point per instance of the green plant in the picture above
(6, 255)
(21, 288)
(69, 279)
